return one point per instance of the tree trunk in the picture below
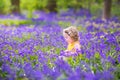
(15, 6)
(118, 1)
(52, 6)
(107, 9)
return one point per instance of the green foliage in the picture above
(9, 22)
(22, 78)
(64, 24)
(117, 73)
(31, 5)
(2, 74)
(115, 9)
(5, 6)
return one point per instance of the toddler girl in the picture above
(71, 35)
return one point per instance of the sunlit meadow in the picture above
(31, 51)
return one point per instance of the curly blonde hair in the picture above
(72, 32)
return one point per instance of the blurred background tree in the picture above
(52, 6)
(107, 9)
(15, 6)
(96, 7)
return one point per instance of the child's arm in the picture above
(74, 50)
(68, 53)
(78, 46)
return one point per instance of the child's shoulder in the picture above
(77, 45)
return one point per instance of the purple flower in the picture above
(89, 76)
(27, 69)
(119, 58)
(37, 75)
(110, 59)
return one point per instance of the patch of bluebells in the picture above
(34, 52)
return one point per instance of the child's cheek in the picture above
(69, 40)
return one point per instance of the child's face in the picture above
(67, 38)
